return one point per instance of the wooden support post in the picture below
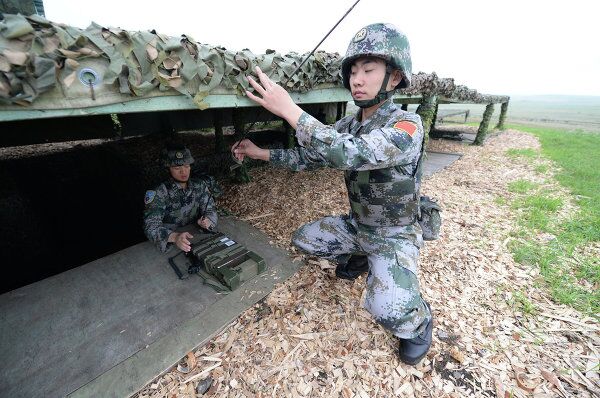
(426, 110)
(502, 117)
(238, 122)
(117, 127)
(218, 126)
(241, 173)
(435, 112)
(483, 126)
(339, 111)
(290, 134)
(321, 115)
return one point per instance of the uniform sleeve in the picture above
(397, 143)
(297, 159)
(154, 213)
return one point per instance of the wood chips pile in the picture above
(311, 338)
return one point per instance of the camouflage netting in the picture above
(429, 84)
(35, 51)
(38, 56)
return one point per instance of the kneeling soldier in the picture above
(379, 149)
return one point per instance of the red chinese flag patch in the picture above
(406, 126)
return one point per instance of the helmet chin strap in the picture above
(382, 95)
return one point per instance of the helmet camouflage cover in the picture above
(382, 40)
(176, 156)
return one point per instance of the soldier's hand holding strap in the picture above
(204, 222)
(248, 148)
(274, 98)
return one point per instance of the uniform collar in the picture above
(387, 108)
(175, 185)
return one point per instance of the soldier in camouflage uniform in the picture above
(177, 202)
(379, 149)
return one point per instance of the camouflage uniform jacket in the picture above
(379, 156)
(170, 206)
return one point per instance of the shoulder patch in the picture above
(406, 126)
(149, 197)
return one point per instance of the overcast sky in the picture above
(502, 47)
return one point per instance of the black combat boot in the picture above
(411, 351)
(355, 267)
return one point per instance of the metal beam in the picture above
(180, 102)
(169, 103)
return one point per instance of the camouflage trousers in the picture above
(393, 297)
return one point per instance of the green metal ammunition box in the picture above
(228, 261)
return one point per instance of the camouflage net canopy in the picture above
(96, 66)
(429, 84)
(37, 55)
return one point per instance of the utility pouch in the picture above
(430, 218)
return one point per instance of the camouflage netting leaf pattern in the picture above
(33, 49)
(429, 84)
(37, 55)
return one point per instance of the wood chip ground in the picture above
(311, 338)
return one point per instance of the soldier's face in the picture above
(180, 173)
(366, 76)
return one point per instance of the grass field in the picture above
(565, 248)
(568, 113)
(565, 245)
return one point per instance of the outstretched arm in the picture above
(248, 148)
(397, 143)
(295, 159)
(275, 99)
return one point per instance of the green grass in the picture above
(541, 202)
(525, 153)
(522, 303)
(572, 278)
(500, 200)
(537, 210)
(589, 269)
(521, 186)
(572, 113)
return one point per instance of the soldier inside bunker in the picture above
(179, 201)
(380, 150)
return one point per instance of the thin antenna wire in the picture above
(245, 134)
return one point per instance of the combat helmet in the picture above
(176, 155)
(385, 41)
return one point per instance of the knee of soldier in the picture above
(397, 306)
(301, 241)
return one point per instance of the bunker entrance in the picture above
(66, 208)
(64, 205)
